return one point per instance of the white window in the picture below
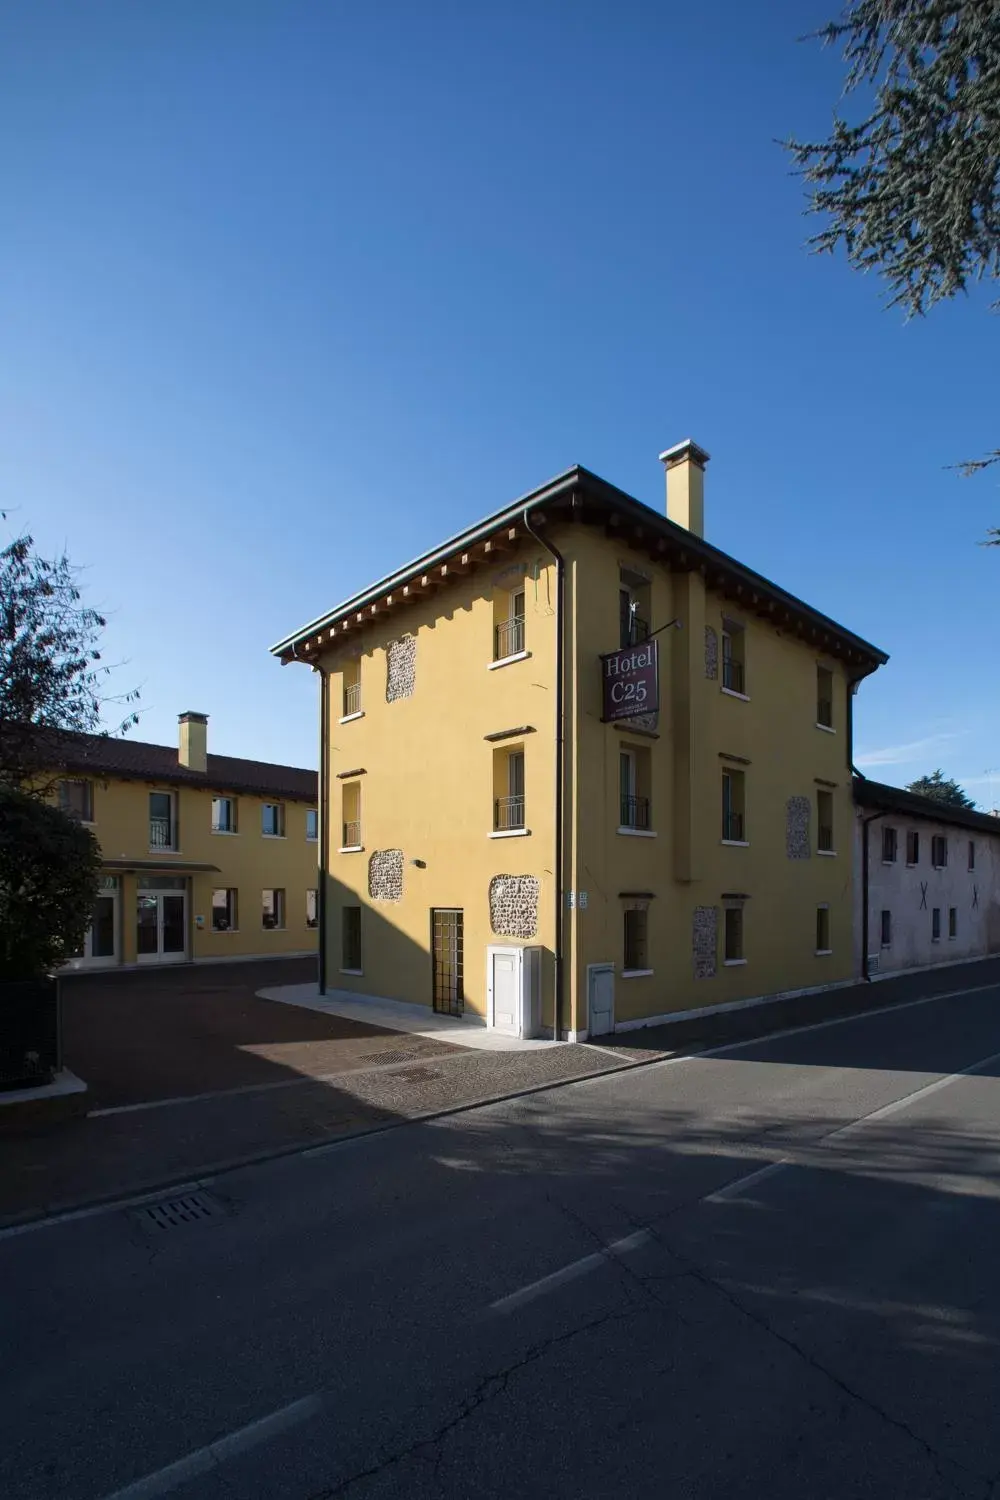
(224, 916)
(734, 665)
(312, 823)
(273, 908)
(223, 814)
(272, 820)
(77, 799)
(312, 908)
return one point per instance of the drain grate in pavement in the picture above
(175, 1213)
(418, 1075)
(390, 1057)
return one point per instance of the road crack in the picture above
(489, 1389)
(937, 1459)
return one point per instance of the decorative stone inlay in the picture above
(385, 875)
(514, 905)
(711, 652)
(704, 941)
(797, 813)
(643, 721)
(401, 668)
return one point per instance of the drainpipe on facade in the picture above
(557, 963)
(324, 762)
(872, 818)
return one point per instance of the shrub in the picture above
(49, 873)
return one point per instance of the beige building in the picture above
(205, 857)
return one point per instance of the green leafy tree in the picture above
(49, 871)
(912, 188)
(940, 788)
(51, 671)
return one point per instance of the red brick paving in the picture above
(166, 1033)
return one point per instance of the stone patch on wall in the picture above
(797, 814)
(711, 652)
(514, 905)
(385, 875)
(704, 941)
(401, 668)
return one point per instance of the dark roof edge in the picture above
(555, 487)
(205, 783)
(578, 477)
(876, 794)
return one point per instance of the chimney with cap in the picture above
(685, 465)
(192, 750)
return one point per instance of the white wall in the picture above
(911, 893)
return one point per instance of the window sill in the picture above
(736, 843)
(935, 940)
(910, 866)
(505, 661)
(312, 838)
(635, 973)
(885, 861)
(351, 849)
(826, 728)
(272, 835)
(823, 952)
(225, 932)
(733, 963)
(510, 833)
(349, 718)
(827, 853)
(160, 850)
(732, 693)
(939, 867)
(358, 973)
(637, 833)
(272, 929)
(226, 833)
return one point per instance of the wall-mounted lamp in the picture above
(421, 864)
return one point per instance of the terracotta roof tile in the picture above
(99, 755)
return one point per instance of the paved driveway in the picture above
(163, 1034)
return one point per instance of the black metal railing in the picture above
(352, 834)
(352, 699)
(825, 838)
(508, 812)
(732, 827)
(634, 630)
(732, 674)
(508, 638)
(162, 833)
(824, 712)
(634, 812)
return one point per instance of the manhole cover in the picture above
(390, 1057)
(418, 1075)
(176, 1213)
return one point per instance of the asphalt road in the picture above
(770, 1272)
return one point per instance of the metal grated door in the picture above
(447, 960)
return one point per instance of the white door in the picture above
(504, 990)
(161, 923)
(600, 999)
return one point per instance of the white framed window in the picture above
(272, 908)
(225, 916)
(312, 908)
(312, 824)
(272, 820)
(889, 846)
(734, 661)
(223, 814)
(76, 798)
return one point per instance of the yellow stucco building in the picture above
(580, 764)
(204, 856)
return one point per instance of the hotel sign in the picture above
(630, 680)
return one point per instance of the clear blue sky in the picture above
(291, 291)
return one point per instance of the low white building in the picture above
(927, 880)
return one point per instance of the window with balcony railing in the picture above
(162, 821)
(633, 789)
(633, 607)
(352, 698)
(734, 674)
(351, 815)
(508, 807)
(508, 623)
(733, 807)
(824, 822)
(352, 834)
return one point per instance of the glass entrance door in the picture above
(161, 921)
(100, 946)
